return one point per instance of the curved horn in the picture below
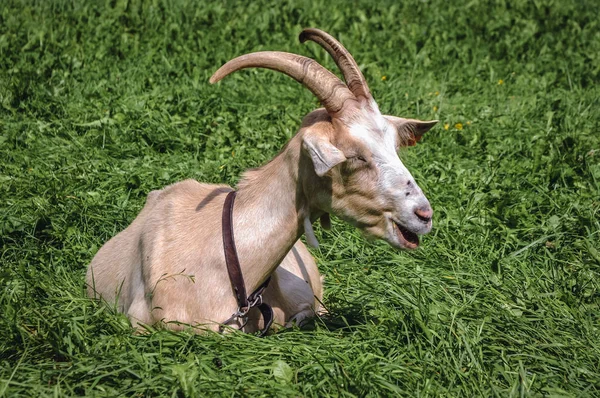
(342, 57)
(326, 86)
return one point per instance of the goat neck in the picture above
(271, 208)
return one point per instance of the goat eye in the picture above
(361, 159)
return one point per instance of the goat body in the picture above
(168, 265)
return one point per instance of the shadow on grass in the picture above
(346, 319)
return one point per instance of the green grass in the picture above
(102, 102)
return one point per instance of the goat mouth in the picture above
(407, 238)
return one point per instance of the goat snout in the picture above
(424, 213)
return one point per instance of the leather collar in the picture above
(245, 303)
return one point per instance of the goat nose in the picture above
(424, 213)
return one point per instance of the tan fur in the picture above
(168, 265)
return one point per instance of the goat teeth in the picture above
(408, 238)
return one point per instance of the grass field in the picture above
(102, 102)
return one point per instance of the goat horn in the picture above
(354, 78)
(326, 86)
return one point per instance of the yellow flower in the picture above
(383, 78)
(435, 108)
(437, 93)
(469, 123)
(232, 154)
(500, 82)
(458, 126)
(446, 126)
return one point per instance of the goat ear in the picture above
(410, 131)
(323, 153)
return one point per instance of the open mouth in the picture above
(409, 239)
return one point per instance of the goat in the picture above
(168, 265)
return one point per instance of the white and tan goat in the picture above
(168, 265)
